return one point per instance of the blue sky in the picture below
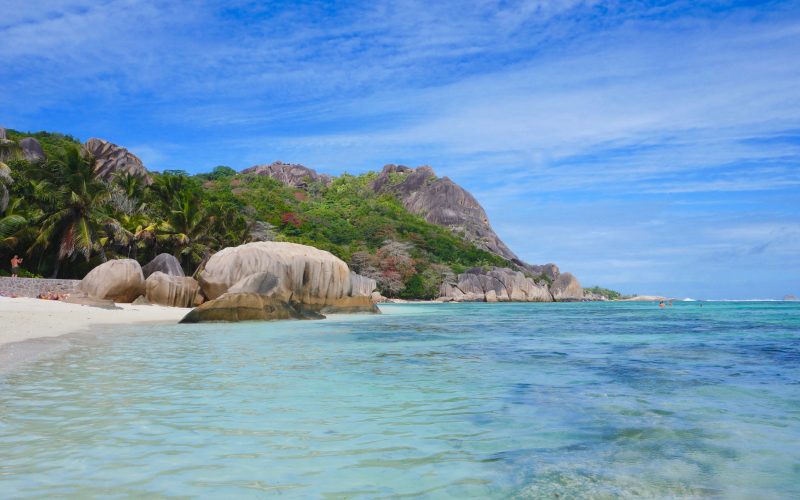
(652, 147)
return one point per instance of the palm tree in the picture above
(12, 222)
(187, 229)
(76, 223)
(131, 185)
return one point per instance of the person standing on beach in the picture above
(15, 263)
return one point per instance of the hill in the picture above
(75, 205)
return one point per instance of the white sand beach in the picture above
(25, 318)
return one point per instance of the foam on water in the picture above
(595, 400)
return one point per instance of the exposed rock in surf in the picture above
(286, 280)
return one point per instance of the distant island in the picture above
(68, 206)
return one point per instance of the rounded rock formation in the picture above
(118, 280)
(172, 291)
(31, 150)
(165, 263)
(305, 272)
(566, 288)
(308, 282)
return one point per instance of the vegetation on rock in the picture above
(604, 292)
(65, 220)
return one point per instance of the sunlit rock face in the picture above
(567, 288)
(497, 284)
(111, 159)
(286, 280)
(290, 174)
(118, 280)
(172, 291)
(441, 201)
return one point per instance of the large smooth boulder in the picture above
(118, 280)
(165, 263)
(566, 288)
(31, 150)
(304, 279)
(306, 273)
(172, 291)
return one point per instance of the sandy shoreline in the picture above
(32, 327)
(24, 318)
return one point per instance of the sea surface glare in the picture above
(598, 400)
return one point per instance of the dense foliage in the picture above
(609, 294)
(64, 221)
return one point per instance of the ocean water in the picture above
(592, 400)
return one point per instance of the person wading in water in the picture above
(15, 263)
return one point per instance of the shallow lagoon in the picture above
(433, 400)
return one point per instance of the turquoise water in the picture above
(448, 400)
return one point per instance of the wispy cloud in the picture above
(686, 113)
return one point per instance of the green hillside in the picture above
(64, 221)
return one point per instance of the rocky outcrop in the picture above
(165, 263)
(361, 286)
(549, 271)
(566, 288)
(172, 291)
(308, 281)
(438, 199)
(498, 284)
(31, 150)
(233, 307)
(111, 159)
(594, 297)
(441, 201)
(290, 174)
(303, 271)
(118, 280)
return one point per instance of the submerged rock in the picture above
(118, 280)
(172, 291)
(165, 263)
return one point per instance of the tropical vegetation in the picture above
(64, 220)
